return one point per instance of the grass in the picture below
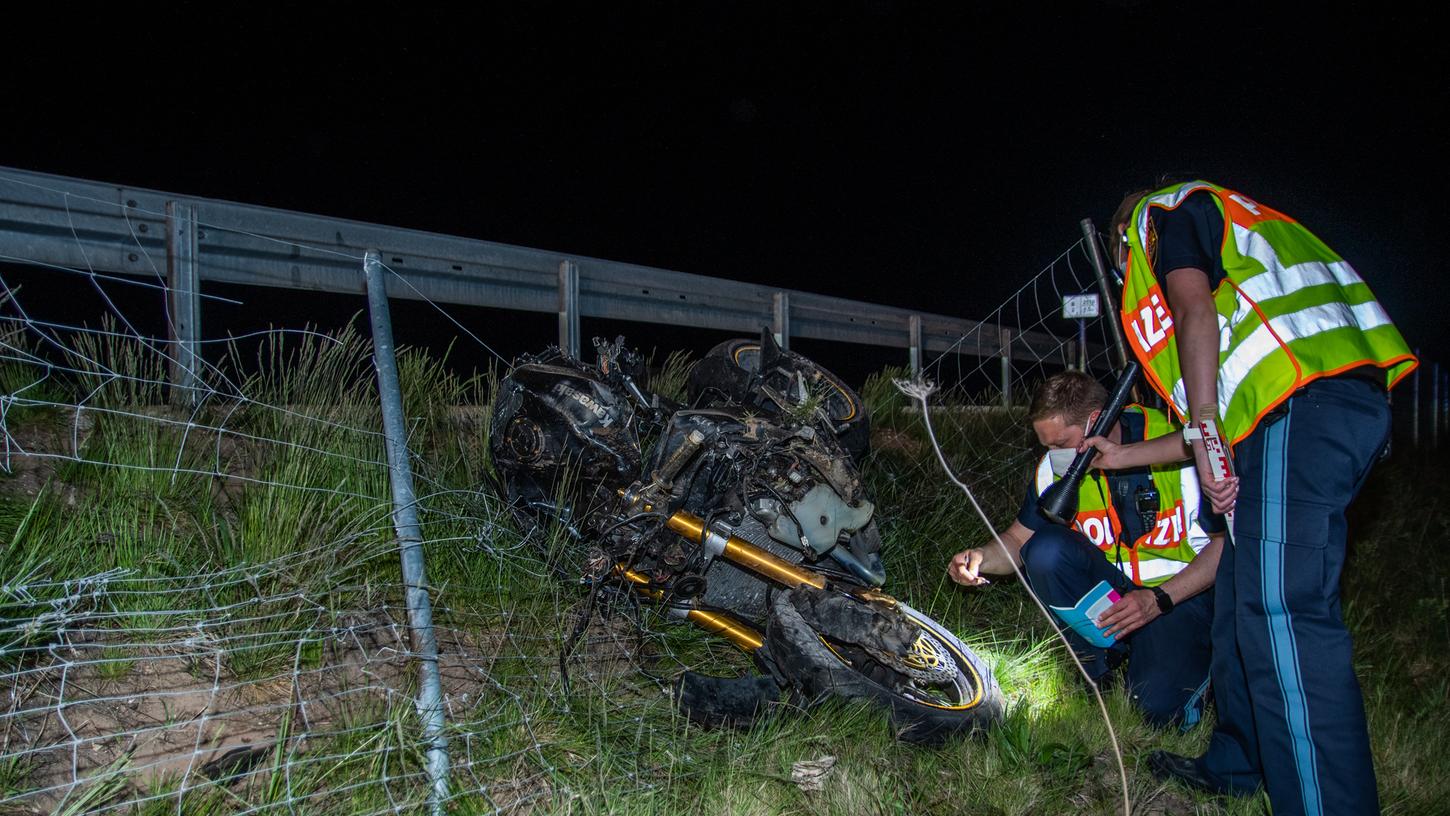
(253, 540)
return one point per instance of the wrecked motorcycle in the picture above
(747, 517)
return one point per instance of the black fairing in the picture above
(560, 434)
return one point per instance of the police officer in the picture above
(1251, 328)
(1137, 535)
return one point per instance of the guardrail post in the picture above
(781, 326)
(569, 308)
(913, 328)
(410, 538)
(1006, 368)
(1095, 254)
(183, 303)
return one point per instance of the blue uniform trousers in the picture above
(1290, 714)
(1168, 660)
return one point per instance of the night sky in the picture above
(919, 155)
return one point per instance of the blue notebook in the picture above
(1081, 616)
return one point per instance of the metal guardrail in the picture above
(82, 224)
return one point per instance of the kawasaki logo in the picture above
(590, 404)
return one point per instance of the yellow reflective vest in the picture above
(1175, 537)
(1289, 311)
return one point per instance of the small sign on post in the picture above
(1081, 308)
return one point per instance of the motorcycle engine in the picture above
(785, 487)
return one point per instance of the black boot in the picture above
(1186, 770)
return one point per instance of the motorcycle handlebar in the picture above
(1059, 502)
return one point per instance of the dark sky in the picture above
(924, 155)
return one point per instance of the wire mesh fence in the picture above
(202, 611)
(202, 608)
(987, 397)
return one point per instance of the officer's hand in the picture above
(1131, 613)
(964, 568)
(1221, 494)
(1109, 452)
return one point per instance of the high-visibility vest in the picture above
(1290, 311)
(1175, 537)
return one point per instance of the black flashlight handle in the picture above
(1059, 502)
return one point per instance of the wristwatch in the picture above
(1165, 601)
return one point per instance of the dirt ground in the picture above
(176, 716)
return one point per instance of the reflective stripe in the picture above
(1282, 645)
(1370, 315)
(1262, 342)
(1173, 199)
(1272, 284)
(1193, 709)
(1192, 497)
(1150, 568)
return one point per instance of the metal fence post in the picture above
(1435, 406)
(410, 537)
(1443, 412)
(1006, 368)
(183, 303)
(780, 303)
(1090, 235)
(1415, 405)
(913, 328)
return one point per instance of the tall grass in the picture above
(273, 498)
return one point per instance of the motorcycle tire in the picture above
(820, 664)
(728, 366)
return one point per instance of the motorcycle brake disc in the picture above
(928, 661)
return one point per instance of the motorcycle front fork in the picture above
(748, 557)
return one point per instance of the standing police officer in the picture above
(1248, 325)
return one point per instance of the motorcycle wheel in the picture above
(843, 405)
(963, 698)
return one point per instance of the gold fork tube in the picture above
(717, 622)
(743, 554)
(727, 627)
